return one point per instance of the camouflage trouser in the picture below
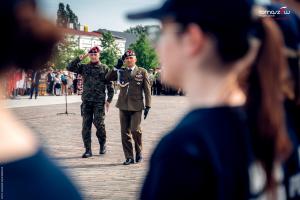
(93, 112)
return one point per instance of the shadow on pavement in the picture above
(93, 165)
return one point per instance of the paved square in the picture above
(99, 177)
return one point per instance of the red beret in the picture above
(128, 53)
(94, 50)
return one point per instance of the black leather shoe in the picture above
(87, 153)
(102, 149)
(128, 161)
(138, 158)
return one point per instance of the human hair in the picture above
(265, 98)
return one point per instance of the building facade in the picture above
(86, 40)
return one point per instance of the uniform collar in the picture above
(132, 68)
(95, 63)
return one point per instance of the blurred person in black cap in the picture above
(233, 142)
(94, 101)
(26, 171)
(134, 83)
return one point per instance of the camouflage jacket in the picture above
(94, 82)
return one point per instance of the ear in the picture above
(193, 40)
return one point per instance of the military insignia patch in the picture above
(138, 79)
(139, 76)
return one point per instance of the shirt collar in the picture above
(95, 63)
(132, 68)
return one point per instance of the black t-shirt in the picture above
(207, 156)
(36, 178)
(292, 165)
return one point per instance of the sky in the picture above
(106, 14)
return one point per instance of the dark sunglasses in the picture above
(93, 54)
(129, 57)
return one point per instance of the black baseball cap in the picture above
(230, 22)
(200, 10)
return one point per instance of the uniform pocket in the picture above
(138, 97)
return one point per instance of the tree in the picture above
(145, 53)
(139, 29)
(62, 17)
(71, 16)
(65, 52)
(151, 31)
(110, 52)
(66, 16)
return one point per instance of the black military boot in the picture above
(87, 153)
(138, 158)
(102, 148)
(128, 161)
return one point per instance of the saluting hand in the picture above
(119, 64)
(83, 56)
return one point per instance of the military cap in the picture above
(94, 50)
(128, 53)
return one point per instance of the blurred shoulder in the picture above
(17, 142)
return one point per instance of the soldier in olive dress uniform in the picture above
(133, 83)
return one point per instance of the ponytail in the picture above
(265, 96)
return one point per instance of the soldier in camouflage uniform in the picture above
(93, 98)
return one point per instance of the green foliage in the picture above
(137, 30)
(71, 16)
(65, 52)
(145, 53)
(110, 52)
(65, 16)
(62, 16)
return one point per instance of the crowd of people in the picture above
(50, 82)
(59, 82)
(43, 82)
(62, 82)
(158, 87)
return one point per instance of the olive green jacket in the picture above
(131, 96)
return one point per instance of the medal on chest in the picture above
(138, 78)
